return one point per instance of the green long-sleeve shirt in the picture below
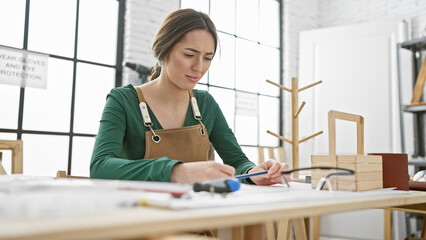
(120, 144)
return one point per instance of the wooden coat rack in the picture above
(295, 111)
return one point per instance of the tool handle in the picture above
(220, 185)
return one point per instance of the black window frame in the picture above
(118, 76)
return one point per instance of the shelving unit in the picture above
(417, 158)
(416, 47)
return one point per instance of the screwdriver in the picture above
(223, 185)
(218, 185)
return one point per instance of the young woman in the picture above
(162, 130)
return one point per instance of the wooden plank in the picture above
(364, 176)
(362, 167)
(270, 230)
(346, 116)
(237, 233)
(294, 126)
(318, 174)
(299, 229)
(360, 186)
(260, 155)
(420, 82)
(281, 155)
(415, 104)
(284, 229)
(359, 159)
(348, 159)
(271, 154)
(332, 139)
(388, 224)
(360, 137)
(2, 171)
(316, 227)
(253, 232)
(320, 159)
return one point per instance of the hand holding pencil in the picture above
(273, 175)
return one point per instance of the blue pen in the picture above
(242, 176)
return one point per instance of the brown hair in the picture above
(173, 29)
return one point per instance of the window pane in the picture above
(199, 5)
(12, 19)
(226, 100)
(222, 68)
(201, 87)
(268, 120)
(97, 36)
(269, 22)
(9, 106)
(251, 153)
(246, 121)
(204, 78)
(247, 19)
(82, 148)
(44, 155)
(52, 26)
(247, 69)
(246, 129)
(222, 13)
(49, 109)
(269, 69)
(8, 136)
(93, 85)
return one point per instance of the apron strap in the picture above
(140, 95)
(195, 110)
(144, 108)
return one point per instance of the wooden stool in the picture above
(16, 147)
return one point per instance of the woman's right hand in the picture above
(200, 171)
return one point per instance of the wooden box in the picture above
(368, 168)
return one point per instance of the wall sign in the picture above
(23, 68)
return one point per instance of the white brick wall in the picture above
(342, 12)
(142, 19)
(299, 15)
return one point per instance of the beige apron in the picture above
(188, 144)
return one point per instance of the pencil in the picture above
(242, 176)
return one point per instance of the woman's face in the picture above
(189, 59)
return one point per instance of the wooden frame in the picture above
(16, 146)
(332, 117)
(368, 169)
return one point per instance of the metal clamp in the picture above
(155, 138)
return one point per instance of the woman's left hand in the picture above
(273, 176)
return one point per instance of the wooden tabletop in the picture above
(151, 221)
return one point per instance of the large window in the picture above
(84, 41)
(249, 54)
